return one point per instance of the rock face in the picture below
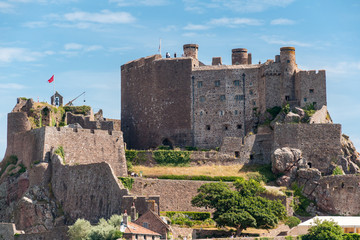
(292, 118)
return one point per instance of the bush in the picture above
(60, 151)
(79, 230)
(274, 111)
(130, 155)
(188, 148)
(109, 230)
(351, 236)
(303, 202)
(127, 182)
(324, 230)
(292, 221)
(171, 157)
(191, 215)
(13, 159)
(338, 171)
(84, 110)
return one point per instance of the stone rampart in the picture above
(175, 195)
(59, 233)
(81, 146)
(320, 143)
(87, 191)
(87, 123)
(339, 194)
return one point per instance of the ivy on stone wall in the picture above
(172, 157)
(127, 182)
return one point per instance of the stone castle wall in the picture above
(320, 143)
(85, 122)
(221, 108)
(81, 146)
(311, 88)
(339, 194)
(155, 102)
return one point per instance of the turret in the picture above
(287, 57)
(288, 68)
(239, 56)
(191, 50)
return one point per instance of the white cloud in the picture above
(73, 46)
(124, 3)
(93, 48)
(192, 27)
(35, 24)
(199, 6)
(5, 7)
(104, 17)
(276, 40)
(282, 21)
(343, 68)
(231, 22)
(9, 55)
(9, 86)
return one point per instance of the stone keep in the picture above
(183, 102)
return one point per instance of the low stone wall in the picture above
(320, 143)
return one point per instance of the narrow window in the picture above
(226, 127)
(287, 98)
(217, 83)
(221, 113)
(208, 127)
(146, 225)
(239, 97)
(202, 99)
(200, 84)
(314, 103)
(237, 154)
(222, 97)
(288, 61)
(309, 164)
(201, 113)
(254, 103)
(251, 92)
(305, 99)
(237, 83)
(250, 84)
(236, 112)
(311, 90)
(239, 126)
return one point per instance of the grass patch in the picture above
(199, 178)
(172, 157)
(60, 151)
(257, 172)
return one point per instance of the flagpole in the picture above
(54, 93)
(160, 46)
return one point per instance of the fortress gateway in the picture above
(182, 102)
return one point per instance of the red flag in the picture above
(51, 79)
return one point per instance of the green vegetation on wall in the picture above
(13, 159)
(300, 201)
(84, 110)
(60, 151)
(127, 182)
(191, 215)
(337, 171)
(172, 157)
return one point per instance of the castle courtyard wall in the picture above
(320, 143)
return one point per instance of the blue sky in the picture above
(84, 43)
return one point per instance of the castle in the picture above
(182, 102)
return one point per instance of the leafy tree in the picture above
(324, 230)
(80, 229)
(240, 208)
(104, 230)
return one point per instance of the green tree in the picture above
(80, 230)
(324, 230)
(292, 221)
(240, 208)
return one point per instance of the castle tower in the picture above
(239, 56)
(191, 50)
(288, 67)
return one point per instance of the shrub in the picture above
(292, 221)
(60, 151)
(163, 147)
(79, 230)
(188, 148)
(351, 236)
(127, 182)
(303, 202)
(191, 215)
(286, 108)
(130, 155)
(171, 157)
(13, 159)
(337, 171)
(274, 111)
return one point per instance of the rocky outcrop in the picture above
(321, 116)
